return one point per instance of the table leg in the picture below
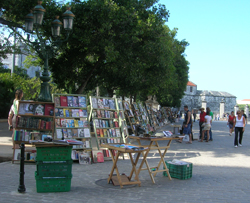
(133, 163)
(115, 168)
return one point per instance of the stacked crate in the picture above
(54, 169)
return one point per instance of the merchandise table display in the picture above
(121, 148)
(154, 145)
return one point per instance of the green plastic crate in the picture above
(53, 153)
(54, 168)
(181, 172)
(52, 184)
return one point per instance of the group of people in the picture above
(237, 123)
(205, 125)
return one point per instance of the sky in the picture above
(218, 32)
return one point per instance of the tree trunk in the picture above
(97, 91)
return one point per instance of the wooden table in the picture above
(111, 147)
(151, 146)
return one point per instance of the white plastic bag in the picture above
(186, 138)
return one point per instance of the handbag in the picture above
(186, 138)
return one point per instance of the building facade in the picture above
(218, 101)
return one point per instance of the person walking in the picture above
(207, 126)
(239, 128)
(202, 120)
(13, 114)
(194, 114)
(210, 131)
(230, 122)
(243, 114)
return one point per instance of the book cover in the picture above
(74, 133)
(63, 101)
(85, 114)
(98, 132)
(29, 109)
(103, 113)
(94, 113)
(75, 113)
(57, 101)
(116, 124)
(76, 123)
(126, 105)
(115, 114)
(70, 113)
(75, 102)
(100, 103)
(39, 110)
(80, 132)
(71, 123)
(120, 105)
(70, 101)
(86, 144)
(81, 113)
(100, 123)
(65, 133)
(82, 101)
(66, 112)
(131, 113)
(69, 133)
(96, 122)
(84, 158)
(105, 134)
(98, 156)
(80, 123)
(85, 122)
(94, 103)
(135, 106)
(58, 122)
(104, 124)
(86, 132)
(110, 133)
(57, 114)
(105, 103)
(101, 133)
(49, 110)
(67, 122)
(61, 112)
(118, 133)
(113, 132)
(107, 124)
(111, 123)
(112, 104)
(99, 115)
(63, 124)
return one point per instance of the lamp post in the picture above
(47, 48)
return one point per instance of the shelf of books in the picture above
(105, 117)
(130, 117)
(34, 121)
(154, 116)
(150, 116)
(122, 119)
(71, 118)
(145, 119)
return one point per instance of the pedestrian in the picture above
(230, 122)
(202, 120)
(206, 126)
(194, 114)
(187, 125)
(210, 131)
(13, 114)
(239, 124)
(243, 114)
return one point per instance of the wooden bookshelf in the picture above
(72, 121)
(130, 117)
(106, 121)
(33, 117)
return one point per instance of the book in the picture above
(103, 113)
(85, 113)
(99, 115)
(65, 133)
(118, 133)
(75, 112)
(61, 112)
(116, 124)
(100, 103)
(63, 124)
(105, 103)
(49, 110)
(115, 115)
(105, 134)
(98, 156)
(67, 122)
(86, 132)
(70, 101)
(100, 123)
(101, 133)
(71, 123)
(80, 123)
(63, 101)
(94, 103)
(58, 122)
(80, 132)
(66, 112)
(75, 102)
(98, 132)
(126, 105)
(29, 109)
(76, 123)
(85, 122)
(69, 131)
(96, 122)
(39, 110)
(57, 114)
(113, 132)
(81, 113)
(74, 133)
(57, 101)
(84, 158)
(112, 104)
(104, 124)
(82, 101)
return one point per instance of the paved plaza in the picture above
(220, 174)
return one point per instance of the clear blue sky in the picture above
(218, 32)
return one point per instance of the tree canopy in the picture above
(121, 45)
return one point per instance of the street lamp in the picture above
(46, 49)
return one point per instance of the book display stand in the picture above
(130, 117)
(35, 121)
(149, 112)
(106, 121)
(71, 121)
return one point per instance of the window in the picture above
(191, 89)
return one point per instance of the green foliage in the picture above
(241, 106)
